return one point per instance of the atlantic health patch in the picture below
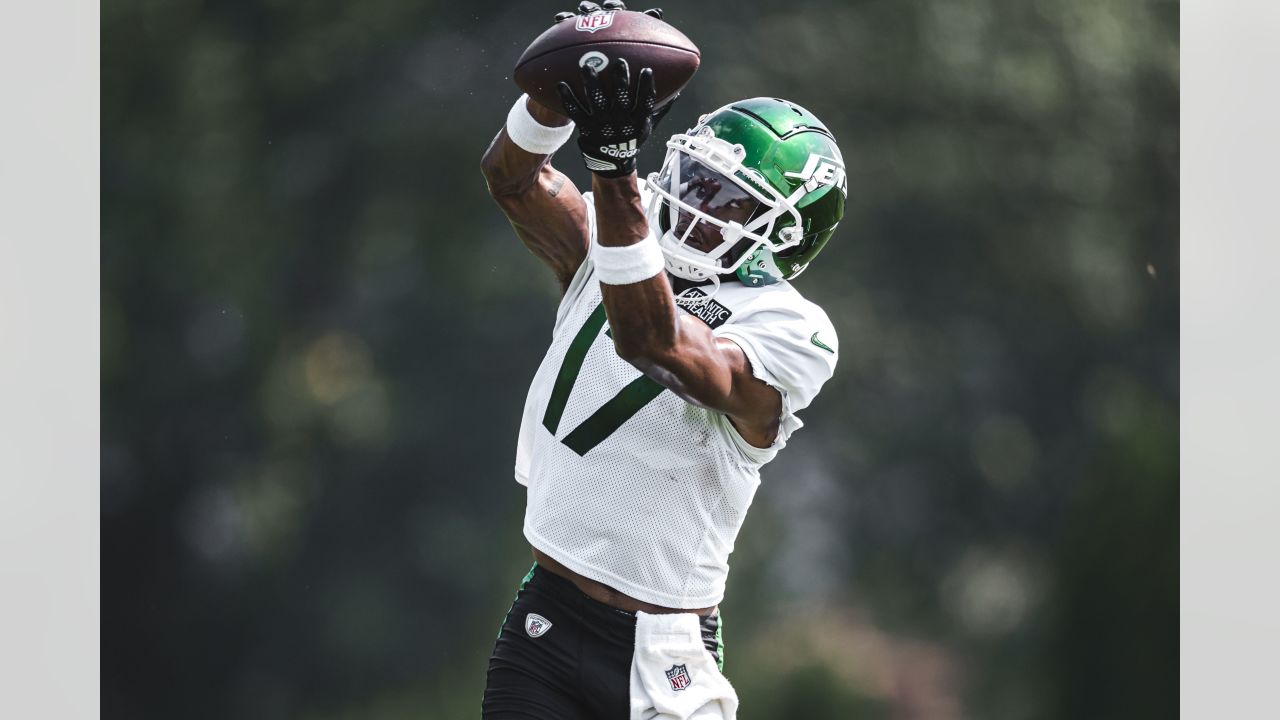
(711, 312)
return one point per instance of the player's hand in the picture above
(614, 120)
(586, 8)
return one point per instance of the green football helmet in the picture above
(755, 189)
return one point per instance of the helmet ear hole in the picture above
(791, 234)
(760, 269)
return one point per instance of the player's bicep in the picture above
(547, 212)
(751, 403)
(550, 218)
(715, 373)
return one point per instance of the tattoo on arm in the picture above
(546, 211)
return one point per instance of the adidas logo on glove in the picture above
(621, 150)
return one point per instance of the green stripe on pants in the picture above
(525, 581)
(720, 642)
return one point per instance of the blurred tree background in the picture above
(317, 334)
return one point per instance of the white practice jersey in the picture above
(632, 486)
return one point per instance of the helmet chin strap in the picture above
(697, 275)
(692, 301)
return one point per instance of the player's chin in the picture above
(700, 239)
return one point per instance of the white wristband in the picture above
(629, 264)
(531, 135)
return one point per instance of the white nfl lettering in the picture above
(535, 625)
(594, 21)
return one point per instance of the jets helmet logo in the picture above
(821, 170)
(536, 625)
(678, 676)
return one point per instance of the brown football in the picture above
(600, 38)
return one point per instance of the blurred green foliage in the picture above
(317, 333)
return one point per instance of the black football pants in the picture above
(563, 656)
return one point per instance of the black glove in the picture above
(586, 8)
(613, 121)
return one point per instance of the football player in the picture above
(680, 356)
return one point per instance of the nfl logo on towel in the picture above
(678, 676)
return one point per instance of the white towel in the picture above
(673, 676)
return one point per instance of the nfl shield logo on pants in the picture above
(536, 625)
(678, 676)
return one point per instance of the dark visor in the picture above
(712, 193)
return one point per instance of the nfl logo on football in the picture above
(678, 676)
(594, 21)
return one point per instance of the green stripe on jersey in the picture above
(612, 415)
(569, 369)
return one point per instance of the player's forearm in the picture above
(545, 209)
(680, 353)
(509, 169)
(620, 211)
(642, 315)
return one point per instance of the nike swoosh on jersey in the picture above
(814, 339)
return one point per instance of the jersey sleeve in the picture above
(792, 346)
(583, 276)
